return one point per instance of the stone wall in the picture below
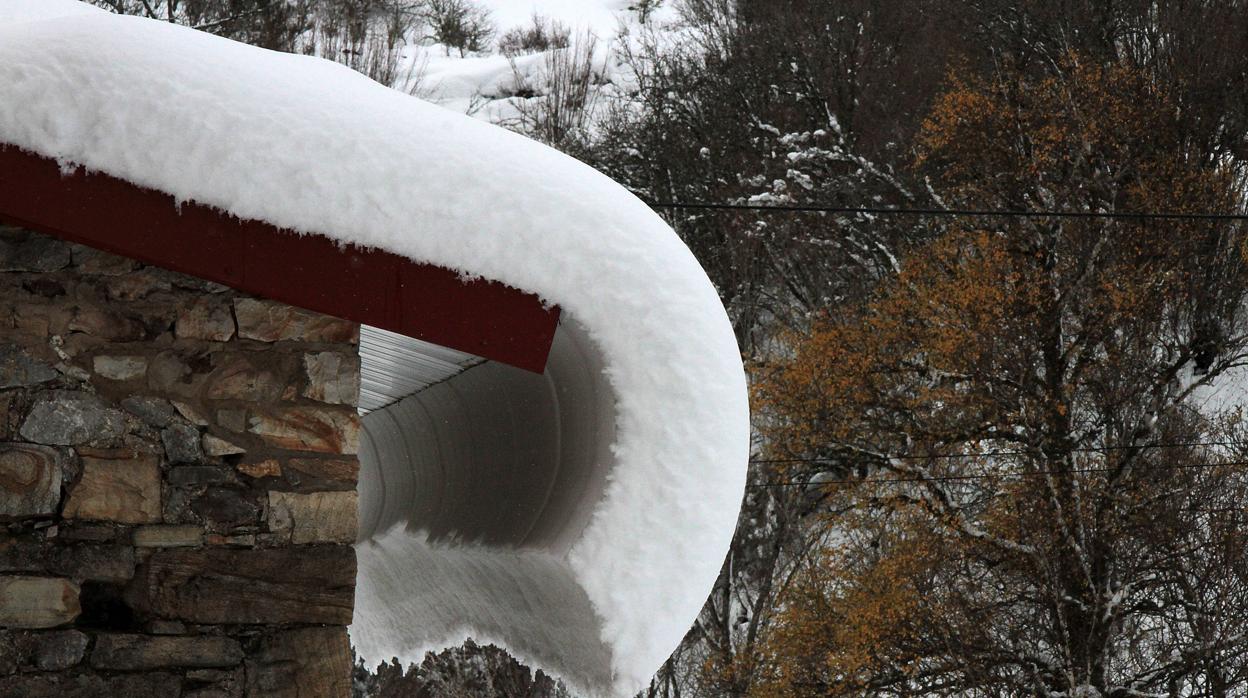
(177, 483)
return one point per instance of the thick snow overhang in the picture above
(579, 515)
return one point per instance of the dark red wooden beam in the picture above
(368, 286)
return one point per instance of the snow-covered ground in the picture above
(484, 85)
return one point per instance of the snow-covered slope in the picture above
(314, 147)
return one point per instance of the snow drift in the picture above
(635, 444)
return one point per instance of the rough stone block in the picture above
(33, 253)
(161, 536)
(238, 377)
(182, 443)
(147, 685)
(82, 561)
(37, 602)
(226, 508)
(144, 652)
(206, 318)
(217, 447)
(72, 418)
(89, 260)
(317, 517)
(19, 370)
(332, 377)
(345, 470)
(125, 490)
(302, 662)
(106, 323)
(314, 584)
(54, 650)
(324, 430)
(120, 368)
(270, 321)
(136, 285)
(30, 480)
(154, 411)
(268, 467)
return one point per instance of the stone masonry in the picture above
(177, 483)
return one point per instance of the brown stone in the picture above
(106, 323)
(324, 430)
(301, 663)
(237, 378)
(234, 420)
(217, 447)
(165, 536)
(337, 469)
(37, 602)
(332, 377)
(270, 321)
(191, 413)
(205, 318)
(89, 260)
(124, 490)
(136, 285)
(313, 584)
(120, 368)
(258, 469)
(83, 561)
(144, 652)
(317, 517)
(30, 480)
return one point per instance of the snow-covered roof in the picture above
(310, 146)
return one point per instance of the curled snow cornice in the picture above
(313, 147)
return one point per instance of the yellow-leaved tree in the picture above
(1035, 494)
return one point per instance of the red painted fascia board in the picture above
(368, 286)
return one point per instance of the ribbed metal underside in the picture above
(393, 366)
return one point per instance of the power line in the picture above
(1020, 452)
(985, 476)
(951, 212)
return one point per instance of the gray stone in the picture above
(332, 377)
(19, 370)
(324, 430)
(205, 318)
(270, 321)
(124, 489)
(154, 411)
(190, 475)
(317, 517)
(120, 368)
(144, 652)
(225, 508)
(58, 685)
(83, 561)
(72, 418)
(182, 443)
(37, 602)
(33, 253)
(30, 480)
(57, 650)
(313, 584)
(165, 536)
